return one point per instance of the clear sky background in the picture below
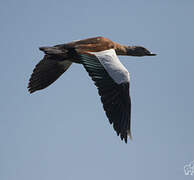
(62, 132)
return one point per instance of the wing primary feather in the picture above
(47, 71)
(115, 97)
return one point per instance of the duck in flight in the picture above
(98, 55)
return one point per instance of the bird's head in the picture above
(138, 51)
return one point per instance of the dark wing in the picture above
(114, 92)
(46, 72)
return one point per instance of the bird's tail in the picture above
(54, 51)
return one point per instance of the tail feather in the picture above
(54, 51)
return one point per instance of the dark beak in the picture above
(151, 54)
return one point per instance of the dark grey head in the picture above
(138, 51)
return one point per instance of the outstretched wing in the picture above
(47, 71)
(112, 81)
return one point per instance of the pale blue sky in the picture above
(62, 132)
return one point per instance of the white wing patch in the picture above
(113, 66)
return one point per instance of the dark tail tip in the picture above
(43, 48)
(48, 50)
(53, 51)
